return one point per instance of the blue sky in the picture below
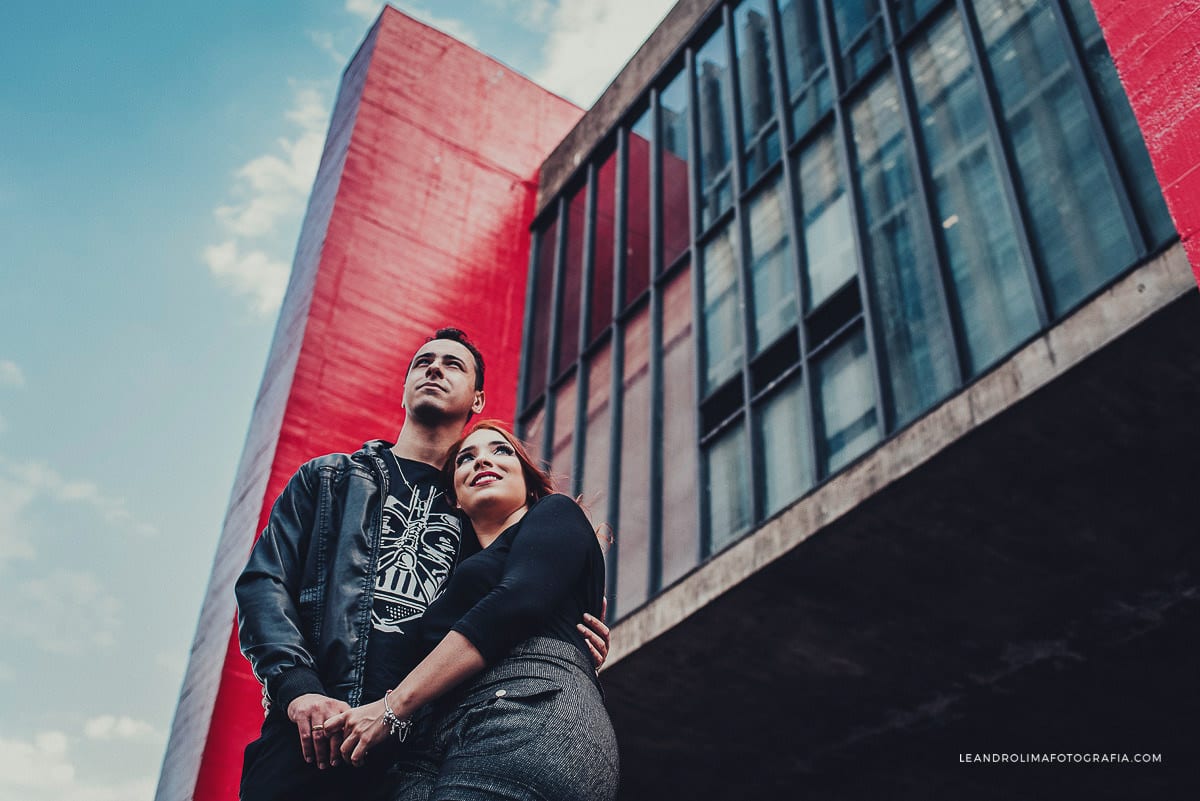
(155, 159)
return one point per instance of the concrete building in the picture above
(867, 328)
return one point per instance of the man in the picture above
(356, 547)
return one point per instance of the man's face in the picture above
(441, 382)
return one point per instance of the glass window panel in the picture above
(572, 280)
(910, 12)
(543, 290)
(846, 391)
(562, 452)
(534, 433)
(633, 525)
(829, 258)
(722, 323)
(727, 496)
(676, 220)
(771, 271)
(860, 35)
(810, 93)
(716, 174)
(602, 253)
(680, 530)
(637, 211)
(752, 38)
(918, 350)
(991, 278)
(1129, 142)
(597, 436)
(782, 429)
(1076, 221)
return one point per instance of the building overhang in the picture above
(1016, 571)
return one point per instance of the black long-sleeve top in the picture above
(537, 578)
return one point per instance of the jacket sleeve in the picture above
(544, 566)
(268, 590)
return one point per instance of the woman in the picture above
(509, 703)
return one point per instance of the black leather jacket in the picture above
(304, 599)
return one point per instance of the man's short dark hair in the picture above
(459, 336)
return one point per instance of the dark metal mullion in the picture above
(527, 340)
(617, 364)
(578, 434)
(733, 117)
(848, 164)
(925, 195)
(791, 192)
(657, 425)
(560, 248)
(1007, 166)
(699, 334)
(1112, 163)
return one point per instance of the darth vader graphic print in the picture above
(418, 546)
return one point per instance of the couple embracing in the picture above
(425, 616)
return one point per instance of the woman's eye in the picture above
(462, 459)
(504, 450)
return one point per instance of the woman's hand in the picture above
(358, 730)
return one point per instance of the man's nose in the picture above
(434, 368)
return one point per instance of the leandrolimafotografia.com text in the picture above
(1059, 758)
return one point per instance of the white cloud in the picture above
(112, 727)
(253, 273)
(41, 769)
(590, 40)
(268, 191)
(367, 9)
(15, 496)
(67, 612)
(11, 374)
(531, 14)
(325, 43)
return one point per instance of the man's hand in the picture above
(309, 712)
(596, 635)
(359, 730)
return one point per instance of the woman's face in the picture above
(487, 475)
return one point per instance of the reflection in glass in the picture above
(534, 433)
(860, 36)
(829, 260)
(676, 221)
(716, 174)
(568, 332)
(847, 399)
(752, 37)
(633, 523)
(919, 353)
(601, 311)
(637, 211)
(991, 278)
(782, 430)
(1077, 225)
(810, 93)
(680, 529)
(722, 326)
(1129, 142)
(562, 452)
(909, 12)
(539, 324)
(771, 271)
(597, 436)
(727, 495)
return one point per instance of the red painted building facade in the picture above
(418, 219)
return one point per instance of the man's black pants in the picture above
(273, 769)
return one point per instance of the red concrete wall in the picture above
(419, 219)
(1155, 45)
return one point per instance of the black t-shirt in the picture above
(419, 545)
(537, 578)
